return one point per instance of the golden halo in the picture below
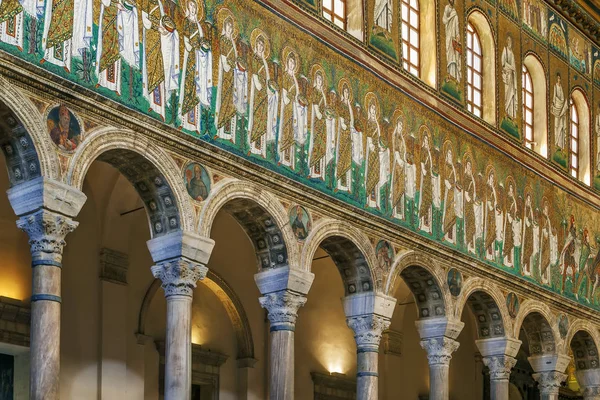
(510, 181)
(372, 98)
(488, 170)
(200, 11)
(398, 113)
(424, 131)
(448, 145)
(222, 16)
(286, 54)
(314, 70)
(256, 33)
(341, 84)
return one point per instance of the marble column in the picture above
(180, 259)
(45, 209)
(498, 355)
(284, 292)
(589, 381)
(438, 340)
(549, 373)
(368, 315)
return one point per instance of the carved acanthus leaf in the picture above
(500, 366)
(549, 381)
(439, 349)
(368, 329)
(282, 307)
(179, 276)
(47, 231)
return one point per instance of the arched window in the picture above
(528, 107)
(579, 137)
(574, 142)
(411, 41)
(474, 72)
(535, 119)
(336, 12)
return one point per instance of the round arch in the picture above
(426, 283)
(26, 140)
(262, 216)
(483, 28)
(535, 67)
(583, 338)
(152, 172)
(350, 250)
(231, 302)
(540, 326)
(488, 305)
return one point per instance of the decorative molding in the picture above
(113, 266)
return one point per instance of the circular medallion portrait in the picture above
(197, 181)
(563, 325)
(64, 128)
(512, 303)
(300, 222)
(455, 281)
(385, 255)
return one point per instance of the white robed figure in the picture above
(119, 40)
(68, 26)
(345, 141)
(263, 98)
(196, 76)
(322, 137)
(398, 166)
(597, 131)
(453, 55)
(559, 110)
(12, 14)
(509, 77)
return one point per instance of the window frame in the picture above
(473, 107)
(332, 15)
(408, 63)
(525, 78)
(574, 137)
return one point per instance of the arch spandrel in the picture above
(262, 216)
(426, 282)
(488, 305)
(350, 249)
(153, 173)
(33, 127)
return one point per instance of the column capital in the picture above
(47, 231)
(368, 329)
(179, 276)
(591, 392)
(282, 308)
(44, 193)
(500, 366)
(439, 349)
(549, 381)
(589, 381)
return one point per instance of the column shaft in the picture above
(500, 366)
(282, 365)
(45, 333)
(439, 388)
(499, 389)
(367, 386)
(439, 353)
(178, 348)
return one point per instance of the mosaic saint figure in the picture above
(196, 186)
(68, 26)
(491, 206)
(426, 185)
(528, 242)
(11, 23)
(559, 109)
(450, 190)
(196, 75)
(453, 43)
(376, 163)
(597, 132)
(567, 255)
(398, 188)
(292, 116)
(470, 193)
(118, 37)
(262, 120)
(346, 141)
(511, 225)
(320, 134)
(548, 243)
(226, 111)
(584, 259)
(509, 77)
(61, 133)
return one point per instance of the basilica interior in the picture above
(300, 199)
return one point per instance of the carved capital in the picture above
(368, 329)
(179, 276)
(591, 392)
(47, 231)
(500, 366)
(549, 381)
(282, 308)
(439, 349)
